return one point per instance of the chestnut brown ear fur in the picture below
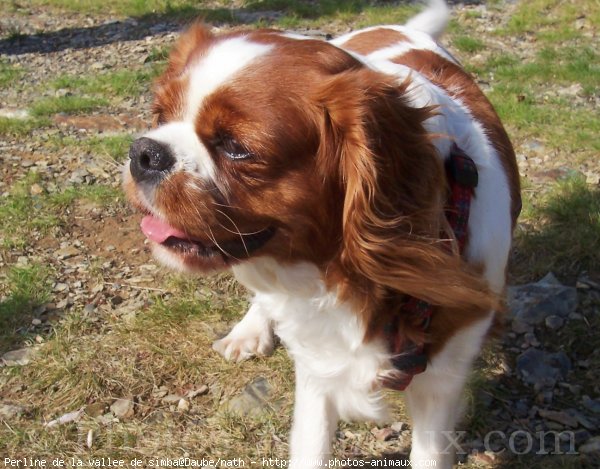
(396, 239)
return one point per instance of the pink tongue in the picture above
(158, 231)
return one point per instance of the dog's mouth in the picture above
(209, 254)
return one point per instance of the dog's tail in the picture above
(433, 20)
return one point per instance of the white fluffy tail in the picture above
(433, 20)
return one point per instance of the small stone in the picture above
(9, 411)
(399, 426)
(520, 327)
(533, 302)
(122, 408)
(172, 399)
(183, 405)
(160, 392)
(36, 189)
(19, 357)
(543, 369)
(383, 434)
(591, 446)
(201, 391)
(96, 409)
(560, 417)
(67, 252)
(591, 404)
(584, 421)
(554, 322)
(60, 287)
(253, 401)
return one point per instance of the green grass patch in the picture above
(9, 74)
(563, 229)
(21, 127)
(468, 44)
(24, 288)
(121, 83)
(551, 20)
(23, 214)
(113, 147)
(66, 104)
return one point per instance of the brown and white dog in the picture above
(315, 171)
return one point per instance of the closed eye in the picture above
(232, 149)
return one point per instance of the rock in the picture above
(543, 369)
(554, 322)
(201, 391)
(591, 446)
(591, 404)
(9, 411)
(172, 399)
(520, 327)
(383, 434)
(183, 405)
(583, 420)
(36, 189)
(18, 357)
(96, 409)
(560, 417)
(253, 401)
(534, 302)
(122, 408)
(399, 427)
(67, 253)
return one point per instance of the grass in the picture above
(22, 289)
(24, 215)
(46, 107)
(551, 20)
(167, 345)
(9, 74)
(526, 103)
(120, 83)
(562, 227)
(10, 127)
(112, 147)
(468, 44)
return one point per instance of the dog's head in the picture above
(266, 144)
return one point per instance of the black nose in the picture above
(150, 160)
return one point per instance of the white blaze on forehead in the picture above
(213, 69)
(220, 63)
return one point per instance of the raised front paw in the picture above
(249, 338)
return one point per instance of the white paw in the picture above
(246, 340)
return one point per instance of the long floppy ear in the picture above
(395, 236)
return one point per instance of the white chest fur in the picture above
(323, 335)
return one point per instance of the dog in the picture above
(363, 189)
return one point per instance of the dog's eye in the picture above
(232, 149)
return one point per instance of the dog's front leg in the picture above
(315, 421)
(434, 398)
(252, 336)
